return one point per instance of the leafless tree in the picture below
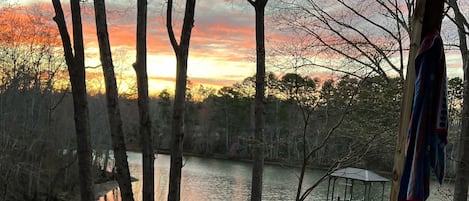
(143, 103)
(177, 128)
(462, 174)
(347, 36)
(115, 121)
(308, 153)
(259, 110)
(302, 92)
(75, 60)
(30, 103)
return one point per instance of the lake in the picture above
(206, 179)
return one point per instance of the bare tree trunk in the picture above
(258, 148)
(227, 131)
(306, 156)
(462, 171)
(115, 121)
(143, 104)
(276, 145)
(76, 69)
(177, 131)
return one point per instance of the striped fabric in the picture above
(428, 128)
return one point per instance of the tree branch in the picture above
(77, 34)
(60, 20)
(324, 16)
(169, 27)
(187, 25)
(369, 19)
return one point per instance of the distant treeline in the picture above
(36, 125)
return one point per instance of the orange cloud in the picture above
(222, 49)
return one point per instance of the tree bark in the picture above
(426, 19)
(408, 95)
(143, 103)
(76, 69)
(177, 128)
(462, 172)
(115, 121)
(259, 110)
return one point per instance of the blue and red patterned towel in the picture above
(428, 128)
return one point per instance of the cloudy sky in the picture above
(222, 46)
(221, 50)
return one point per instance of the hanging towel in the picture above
(428, 127)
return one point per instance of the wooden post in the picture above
(421, 24)
(406, 104)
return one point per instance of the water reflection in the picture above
(211, 179)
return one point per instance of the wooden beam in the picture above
(408, 95)
(426, 18)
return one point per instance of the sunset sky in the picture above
(222, 49)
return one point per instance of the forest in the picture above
(57, 133)
(296, 106)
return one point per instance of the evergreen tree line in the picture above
(221, 124)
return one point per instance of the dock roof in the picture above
(359, 174)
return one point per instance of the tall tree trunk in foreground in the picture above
(76, 70)
(115, 121)
(406, 104)
(462, 172)
(427, 18)
(177, 128)
(258, 146)
(143, 103)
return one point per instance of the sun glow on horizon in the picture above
(222, 49)
(162, 72)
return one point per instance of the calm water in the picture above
(212, 179)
